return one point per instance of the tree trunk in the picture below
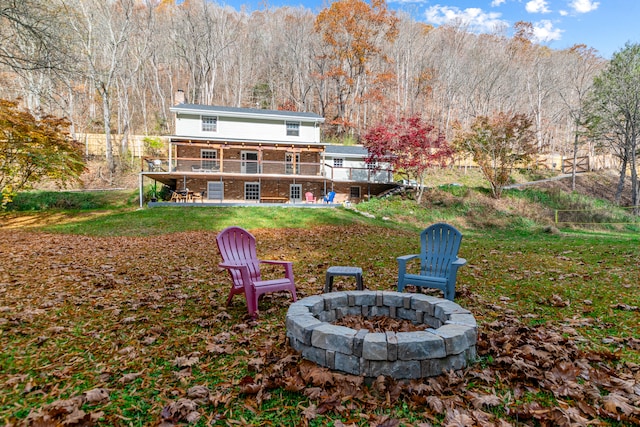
(620, 187)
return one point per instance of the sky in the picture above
(605, 25)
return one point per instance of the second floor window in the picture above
(209, 123)
(293, 128)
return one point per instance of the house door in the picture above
(215, 190)
(249, 162)
(252, 191)
(295, 193)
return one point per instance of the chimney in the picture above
(179, 97)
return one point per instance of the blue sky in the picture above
(605, 25)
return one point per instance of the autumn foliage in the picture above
(410, 144)
(498, 144)
(33, 149)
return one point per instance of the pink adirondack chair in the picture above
(310, 198)
(238, 250)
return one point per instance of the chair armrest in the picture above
(406, 258)
(268, 261)
(459, 262)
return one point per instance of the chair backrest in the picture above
(439, 245)
(330, 196)
(238, 246)
(309, 196)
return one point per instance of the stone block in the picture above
(335, 299)
(363, 297)
(333, 337)
(378, 311)
(420, 345)
(406, 314)
(379, 299)
(327, 316)
(348, 363)
(423, 303)
(355, 310)
(444, 308)
(432, 322)
(297, 309)
(331, 359)
(462, 319)
(374, 346)
(315, 303)
(358, 340)
(315, 354)
(392, 312)
(301, 327)
(409, 369)
(392, 346)
(393, 299)
(455, 337)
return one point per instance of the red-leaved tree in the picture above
(410, 145)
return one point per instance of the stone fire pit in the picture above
(448, 343)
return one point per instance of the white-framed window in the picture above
(209, 159)
(289, 162)
(252, 191)
(293, 128)
(372, 165)
(209, 123)
(337, 163)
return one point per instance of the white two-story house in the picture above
(254, 155)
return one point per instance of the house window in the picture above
(293, 128)
(209, 124)
(209, 160)
(354, 192)
(372, 165)
(288, 163)
(337, 163)
(252, 191)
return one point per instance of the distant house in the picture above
(253, 155)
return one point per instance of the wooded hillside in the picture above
(121, 62)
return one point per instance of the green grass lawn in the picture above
(132, 302)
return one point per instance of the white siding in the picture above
(268, 130)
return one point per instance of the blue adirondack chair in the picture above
(329, 197)
(439, 261)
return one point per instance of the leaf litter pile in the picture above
(120, 331)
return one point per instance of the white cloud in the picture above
(584, 6)
(563, 13)
(476, 19)
(537, 6)
(496, 3)
(543, 32)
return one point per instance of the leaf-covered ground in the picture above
(134, 331)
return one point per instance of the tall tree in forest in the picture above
(411, 145)
(583, 63)
(102, 30)
(34, 149)
(614, 112)
(354, 32)
(498, 144)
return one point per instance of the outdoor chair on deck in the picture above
(329, 197)
(309, 197)
(238, 250)
(439, 261)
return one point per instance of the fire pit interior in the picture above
(448, 343)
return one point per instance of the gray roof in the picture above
(346, 150)
(247, 112)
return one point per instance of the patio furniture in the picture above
(329, 197)
(309, 197)
(238, 250)
(439, 261)
(343, 271)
